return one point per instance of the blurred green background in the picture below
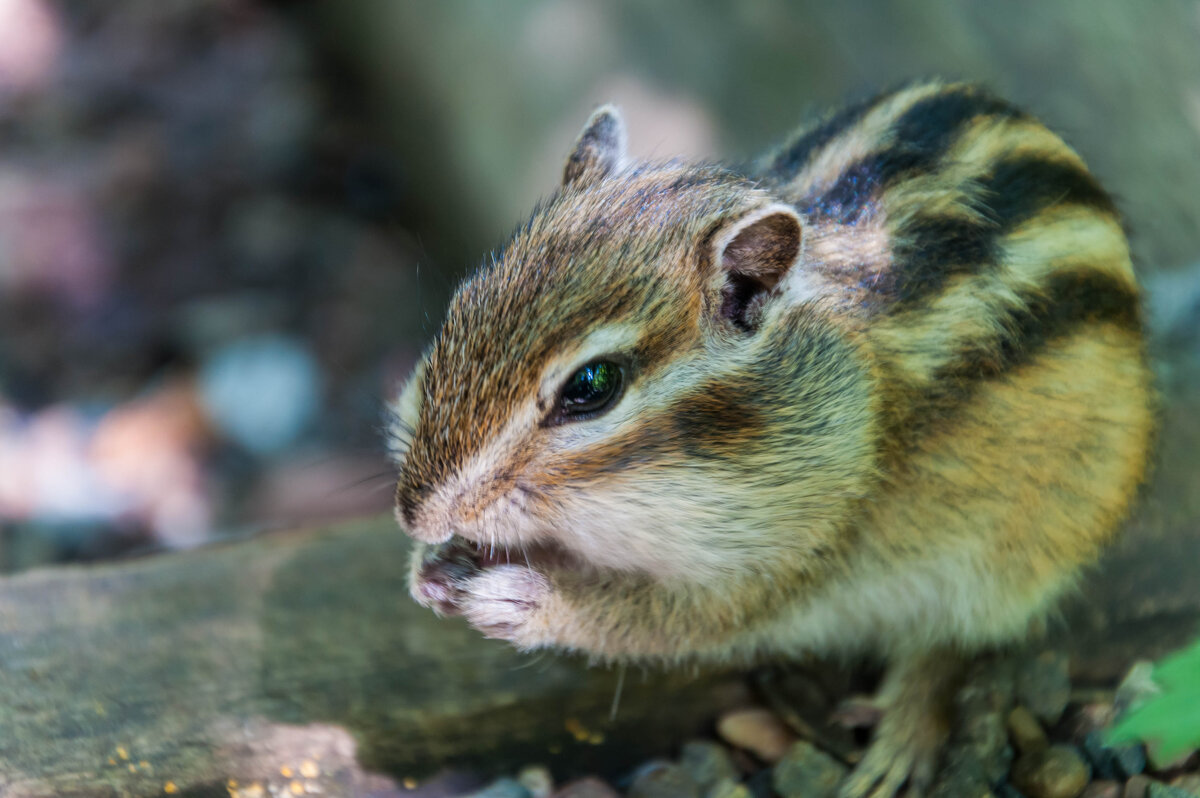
(227, 227)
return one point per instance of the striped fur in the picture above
(903, 432)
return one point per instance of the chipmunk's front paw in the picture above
(439, 574)
(507, 602)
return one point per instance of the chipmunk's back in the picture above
(989, 274)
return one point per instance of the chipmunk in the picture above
(884, 393)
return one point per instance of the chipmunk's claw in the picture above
(858, 712)
(888, 765)
(912, 732)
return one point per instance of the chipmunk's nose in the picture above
(418, 529)
(415, 519)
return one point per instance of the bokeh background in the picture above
(228, 227)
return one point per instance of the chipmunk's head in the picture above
(639, 382)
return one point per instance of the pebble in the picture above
(807, 772)
(503, 788)
(1103, 789)
(1157, 789)
(1189, 782)
(1006, 790)
(707, 763)
(663, 780)
(1057, 772)
(961, 776)
(728, 788)
(1043, 685)
(1086, 718)
(537, 779)
(1113, 762)
(1136, 787)
(759, 783)
(589, 787)
(756, 730)
(1025, 731)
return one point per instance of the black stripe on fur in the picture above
(1068, 301)
(1020, 187)
(920, 137)
(796, 154)
(930, 249)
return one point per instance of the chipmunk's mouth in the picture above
(445, 569)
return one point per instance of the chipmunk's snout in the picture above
(419, 528)
(413, 519)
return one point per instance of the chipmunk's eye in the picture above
(591, 390)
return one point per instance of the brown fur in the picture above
(887, 394)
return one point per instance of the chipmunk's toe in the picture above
(902, 752)
(858, 712)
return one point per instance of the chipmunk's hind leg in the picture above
(915, 697)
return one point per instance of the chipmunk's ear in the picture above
(599, 151)
(754, 253)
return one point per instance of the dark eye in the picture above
(591, 390)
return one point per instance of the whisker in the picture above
(391, 475)
(536, 659)
(616, 701)
(378, 488)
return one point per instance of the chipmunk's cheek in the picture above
(506, 602)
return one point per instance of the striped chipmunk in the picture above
(882, 394)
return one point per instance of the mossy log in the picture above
(293, 657)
